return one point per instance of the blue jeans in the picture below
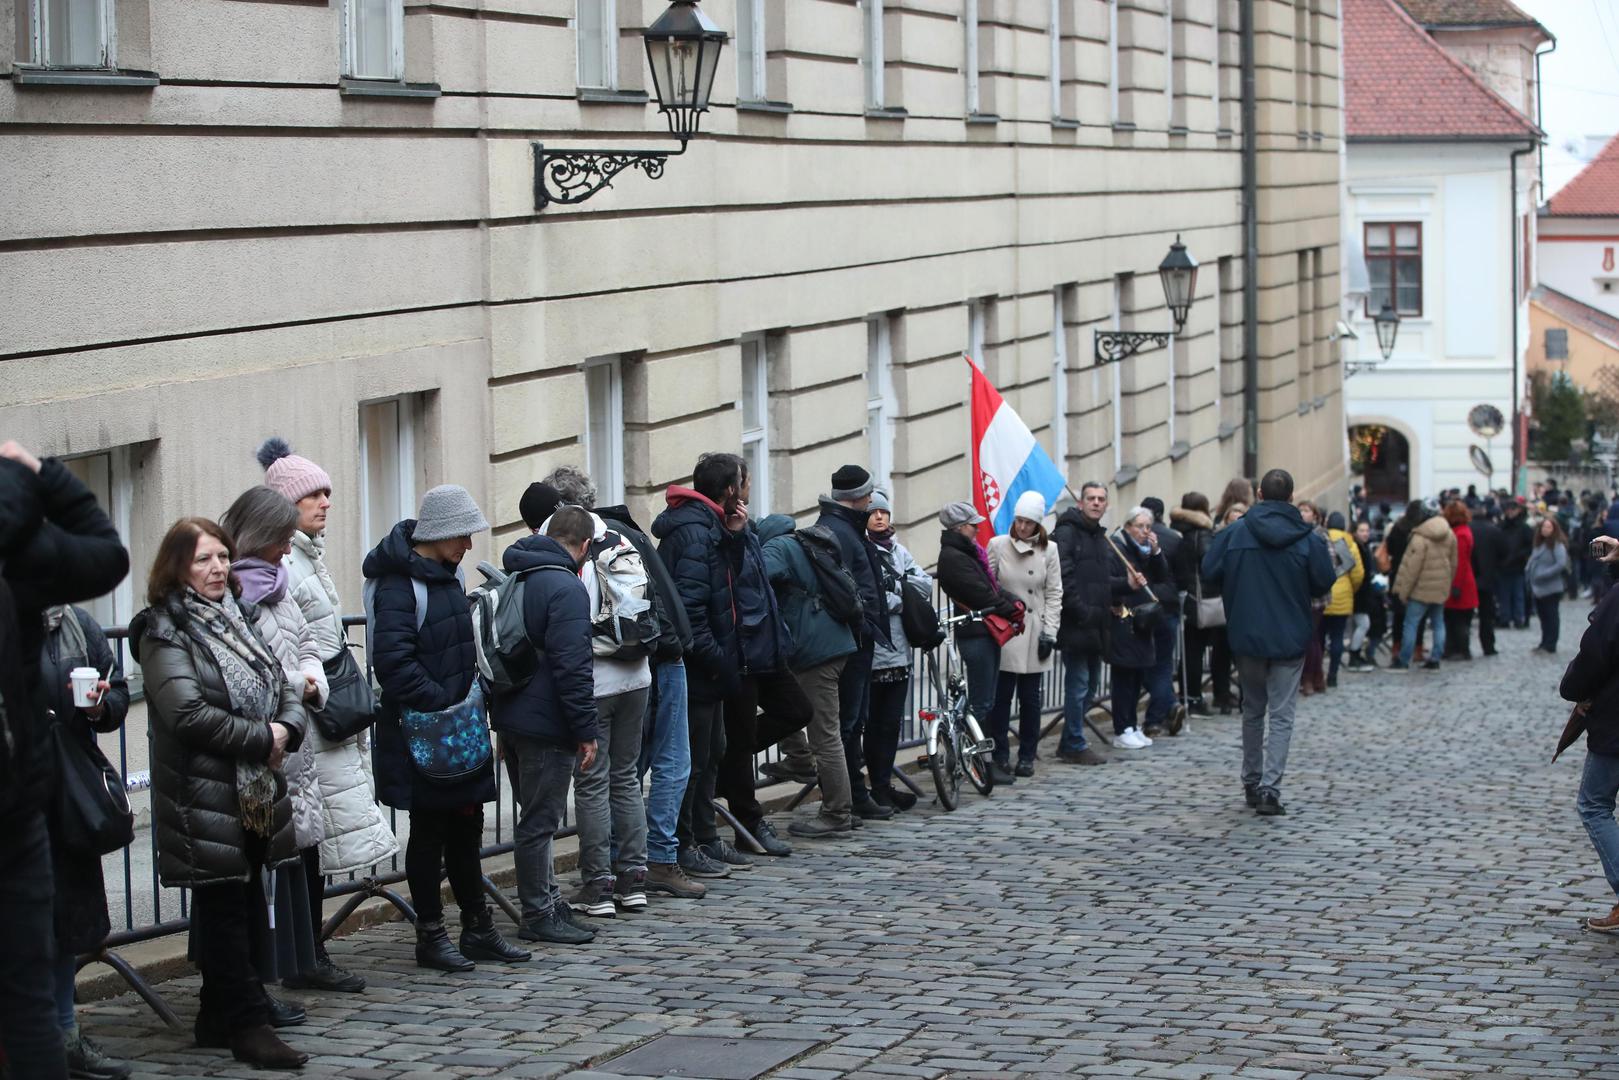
(1415, 612)
(1511, 607)
(1161, 676)
(1597, 789)
(29, 1031)
(1081, 675)
(982, 658)
(666, 750)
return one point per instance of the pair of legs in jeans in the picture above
(1598, 786)
(1082, 677)
(1510, 601)
(1160, 681)
(1333, 627)
(854, 702)
(705, 721)
(1547, 611)
(1026, 688)
(1416, 612)
(607, 797)
(541, 773)
(666, 753)
(982, 659)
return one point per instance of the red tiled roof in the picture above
(1594, 192)
(1401, 84)
(1467, 13)
(1599, 324)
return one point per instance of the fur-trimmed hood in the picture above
(1182, 519)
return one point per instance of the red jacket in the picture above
(1463, 587)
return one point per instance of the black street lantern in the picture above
(1387, 321)
(1178, 273)
(683, 48)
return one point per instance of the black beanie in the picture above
(851, 482)
(538, 503)
(1154, 506)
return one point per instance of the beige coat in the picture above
(1429, 565)
(1034, 576)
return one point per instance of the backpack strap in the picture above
(419, 588)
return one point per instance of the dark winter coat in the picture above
(1366, 595)
(703, 558)
(1196, 531)
(425, 669)
(761, 635)
(864, 560)
(1489, 553)
(674, 629)
(81, 894)
(1269, 565)
(817, 637)
(1518, 538)
(1092, 582)
(56, 547)
(965, 581)
(1169, 543)
(196, 744)
(1128, 646)
(1591, 676)
(558, 705)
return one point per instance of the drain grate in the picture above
(706, 1057)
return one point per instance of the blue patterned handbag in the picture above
(450, 744)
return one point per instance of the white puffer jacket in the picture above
(293, 642)
(357, 836)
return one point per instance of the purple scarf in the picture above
(983, 560)
(885, 539)
(261, 582)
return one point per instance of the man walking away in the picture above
(1091, 584)
(1269, 566)
(1518, 539)
(1489, 558)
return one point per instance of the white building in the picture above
(1578, 249)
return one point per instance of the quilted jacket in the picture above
(282, 626)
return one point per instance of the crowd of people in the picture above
(639, 671)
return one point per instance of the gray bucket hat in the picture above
(448, 511)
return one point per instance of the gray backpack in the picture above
(507, 658)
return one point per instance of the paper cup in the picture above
(84, 685)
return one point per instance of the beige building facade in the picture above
(229, 219)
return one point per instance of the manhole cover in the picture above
(706, 1057)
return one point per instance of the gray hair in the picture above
(260, 519)
(573, 485)
(1087, 485)
(1135, 512)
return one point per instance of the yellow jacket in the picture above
(1342, 601)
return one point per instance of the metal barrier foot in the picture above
(505, 904)
(746, 835)
(803, 794)
(153, 999)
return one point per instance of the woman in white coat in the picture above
(1027, 566)
(357, 836)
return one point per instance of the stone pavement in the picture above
(1415, 915)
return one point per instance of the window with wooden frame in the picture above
(596, 40)
(66, 33)
(750, 50)
(374, 40)
(1394, 264)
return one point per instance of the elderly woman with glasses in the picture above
(1131, 651)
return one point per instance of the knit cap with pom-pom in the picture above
(291, 475)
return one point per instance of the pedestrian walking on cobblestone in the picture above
(1269, 565)
(1591, 683)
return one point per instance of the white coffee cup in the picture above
(84, 681)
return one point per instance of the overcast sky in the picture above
(1580, 80)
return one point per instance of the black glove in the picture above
(1048, 645)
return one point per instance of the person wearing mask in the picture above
(222, 719)
(968, 580)
(1132, 640)
(1192, 520)
(1091, 585)
(1164, 711)
(1270, 566)
(1489, 554)
(419, 624)
(357, 836)
(548, 725)
(1589, 682)
(1427, 569)
(260, 524)
(56, 547)
(1341, 601)
(890, 663)
(1518, 540)
(843, 511)
(1362, 643)
(1463, 598)
(1544, 570)
(1025, 563)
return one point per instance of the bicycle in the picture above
(956, 744)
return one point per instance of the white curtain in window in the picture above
(372, 25)
(596, 31)
(75, 33)
(875, 76)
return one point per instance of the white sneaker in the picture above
(1141, 737)
(1130, 739)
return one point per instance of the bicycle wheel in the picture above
(946, 770)
(975, 765)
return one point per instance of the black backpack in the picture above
(918, 616)
(838, 592)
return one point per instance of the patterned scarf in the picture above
(983, 560)
(253, 681)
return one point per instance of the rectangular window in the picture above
(1064, 297)
(374, 39)
(876, 91)
(1394, 265)
(596, 38)
(971, 24)
(1054, 35)
(108, 475)
(1170, 119)
(65, 33)
(604, 427)
(881, 407)
(750, 56)
(1114, 71)
(755, 406)
(1301, 64)
(977, 335)
(1557, 344)
(1228, 316)
(1122, 289)
(389, 472)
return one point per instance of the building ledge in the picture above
(888, 112)
(589, 95)
(90, 78)
(1227, 430)
(1064, 123)
(1304, 408)
(983, 118)
(1126, 475)
(384, 89)
(777, 108)
(1179, 449)
(1224, 133)
(1124, 126)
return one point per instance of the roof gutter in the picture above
(1513, 139)
(1250, 243)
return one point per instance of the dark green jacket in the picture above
(817, 636)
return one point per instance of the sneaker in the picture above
(769, 843)
(629, 889)
(1332, 682)
(1086, 756)
(816, 827)
(671, 879)
(556, 929)
(86, 1059)
(783, 772)
(696, 863)
(1270, 803)
(726, 855)
(1430, 665)
(595, 898)
(1024, 768)
(1131, 739)
(1605, 924)
(1398, 667)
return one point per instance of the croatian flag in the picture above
(1006, 459)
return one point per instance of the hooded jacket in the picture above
(965, 580)
(558, 705)
(1518, 539)
(1092, 582)
(703, 557)
(1429, 564)
(1342, 600)
(1269, 565)
(315, 591)
(817, 637)
(1591, 676)
(1464, 586)
(863, 560)
(1489, 553)
(426, 669)
(674, 628)
(1197, 533)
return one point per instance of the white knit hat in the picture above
(1030, 505)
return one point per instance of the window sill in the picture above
(1179, 449)
(1126, 475)
(887, 112)
(1227, 430)
(1179, 132)
(383, 88)
(1124, 126)
(90, 78)
(777, 108)
(1304, 408)
(1224, 133)
(983, 118)
(1064, 123)
(589, 95)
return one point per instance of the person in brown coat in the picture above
(1423, 584)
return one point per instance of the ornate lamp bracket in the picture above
(1113, 346)
(572, 176)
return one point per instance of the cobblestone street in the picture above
(1417, 914)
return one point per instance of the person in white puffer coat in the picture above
(357, 835)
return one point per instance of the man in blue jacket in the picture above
(1268, 565)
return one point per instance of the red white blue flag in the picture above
(1007, 460)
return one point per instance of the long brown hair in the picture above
(1237, 491)
(171, 569)
(1558, 535)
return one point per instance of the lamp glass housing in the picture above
(1178, 272)
(683, 49)
(1387, 322)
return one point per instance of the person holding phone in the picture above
(1589, 682)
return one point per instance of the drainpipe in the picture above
(1250, 245)
(1512, 281)
(1538, 96)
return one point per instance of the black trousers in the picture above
(230, 929)
(1486, 619)
(451, 839)
(705, 722)
(29, 1030)
(1458, 632)
(854, 699)
(767, 709)
(882, 729)
(1026, 688)
(1212, 640)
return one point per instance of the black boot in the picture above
(433, 949)
(481, 941)
(261, 1048)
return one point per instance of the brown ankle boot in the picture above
(259, 1047)
(1605, 924)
